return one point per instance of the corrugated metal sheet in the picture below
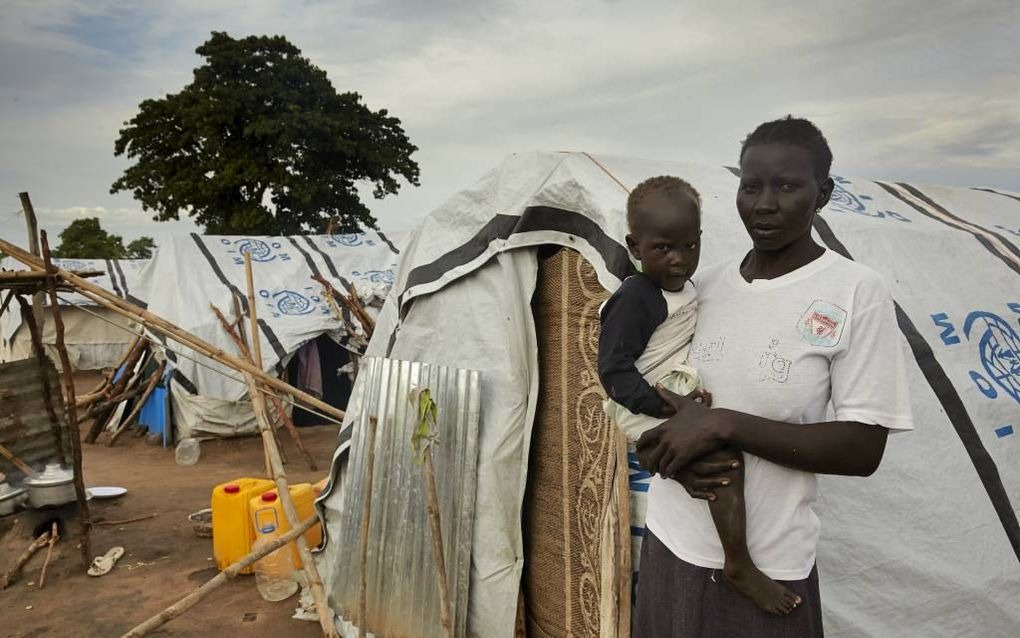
(24, 422)
(402, 595)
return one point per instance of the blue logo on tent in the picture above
(998, 347)
(293, 303)
(844, 201)
(70, 264)
(259, 250)
(349, 239)
(375, 276)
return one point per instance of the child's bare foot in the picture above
(767, 594)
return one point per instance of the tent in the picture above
(928, 546)
(191, 273)
(96, 337)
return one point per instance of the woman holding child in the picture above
(781, 333)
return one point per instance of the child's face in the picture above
(666, 240)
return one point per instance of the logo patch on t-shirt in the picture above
(822, 324)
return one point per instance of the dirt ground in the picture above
(164, 560)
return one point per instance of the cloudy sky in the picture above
(928, 91)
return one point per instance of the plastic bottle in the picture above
(273, 573)
(187, 452)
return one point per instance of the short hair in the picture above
(794, 131)
(667, 185)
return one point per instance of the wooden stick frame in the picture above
(70, 411)
(163, 327)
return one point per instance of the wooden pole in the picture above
(139, 404)
(283, 489)
(27, 317)
(253, 317)
(33, 247)
(366, 515)
(159, 325)
(10, 456)
(12, 573)
(122, 389)
(70, 411)
(54, 537)
(189, 601)
(242, 347)
(439, 556)
(101, 390)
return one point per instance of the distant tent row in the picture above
(95, 337)
(506, 278)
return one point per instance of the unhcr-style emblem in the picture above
(292, 303)
(260, 251)
(822, 324)
(998, 349)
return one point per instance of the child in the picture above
(647, 327)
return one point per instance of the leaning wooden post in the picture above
(258, 401)
(70, 411)
(242, 346)
(29, 319)
(33, 246)
(253, 317)
(422, 440)
(189, 601)
(139, 404)
(366, 514)
(256, 345)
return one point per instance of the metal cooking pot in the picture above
(10, 498)
(53, 486)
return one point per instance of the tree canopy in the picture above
(261, 143)
(86, 239)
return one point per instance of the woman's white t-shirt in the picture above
(783, 349)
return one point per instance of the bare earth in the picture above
(164, 560)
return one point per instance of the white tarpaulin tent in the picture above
(96, 337)
(928, 546)
(191, 273)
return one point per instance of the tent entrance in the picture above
(318, 367)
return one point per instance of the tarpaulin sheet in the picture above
(928, 546)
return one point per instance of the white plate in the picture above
(107, 492)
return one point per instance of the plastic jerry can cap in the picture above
(231, 489)
(269, 497)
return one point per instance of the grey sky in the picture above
(925, 91)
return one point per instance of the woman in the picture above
(781, 333)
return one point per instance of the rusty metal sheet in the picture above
(25, 427)
(402, 595)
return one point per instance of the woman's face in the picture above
(779, 194)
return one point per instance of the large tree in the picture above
(86, 239)
(260, 142)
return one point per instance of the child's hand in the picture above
(672, 402)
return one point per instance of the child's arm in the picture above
(628, 320)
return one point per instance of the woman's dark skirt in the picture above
(679, 600)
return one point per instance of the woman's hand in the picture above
(688, 435)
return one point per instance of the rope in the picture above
(10, 216)
(163, 348)
(606, 171)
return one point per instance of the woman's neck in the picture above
(769, 264)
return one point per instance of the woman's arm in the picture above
(839, 447)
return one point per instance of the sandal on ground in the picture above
(103, 564)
